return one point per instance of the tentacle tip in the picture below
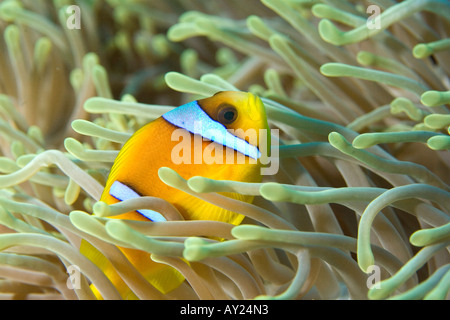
(272, 191)
(436, 121)
(78, 218)
(319, 10)
(73, 146)
(361, 142)
(417, 240)
(439, 143)
(101, 209)
(198, 184)
(327, 69)
(194, 241)
(77, 124)
(169, 176)
(90, 60)
(365, 58)
(116, 229)
(245, 232)
(366, 261)
(22, 161)
(182, 31)
(9, 9)
(431, 98)
(336, 139)
(194, 249)
(421, 51)
(330, 33)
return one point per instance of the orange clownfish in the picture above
(229, 126)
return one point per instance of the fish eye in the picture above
(227, 114)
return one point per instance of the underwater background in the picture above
(359, 208)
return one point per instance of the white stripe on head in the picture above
(194, 119)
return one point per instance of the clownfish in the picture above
(216, 131)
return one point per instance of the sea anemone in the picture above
(358, 209)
